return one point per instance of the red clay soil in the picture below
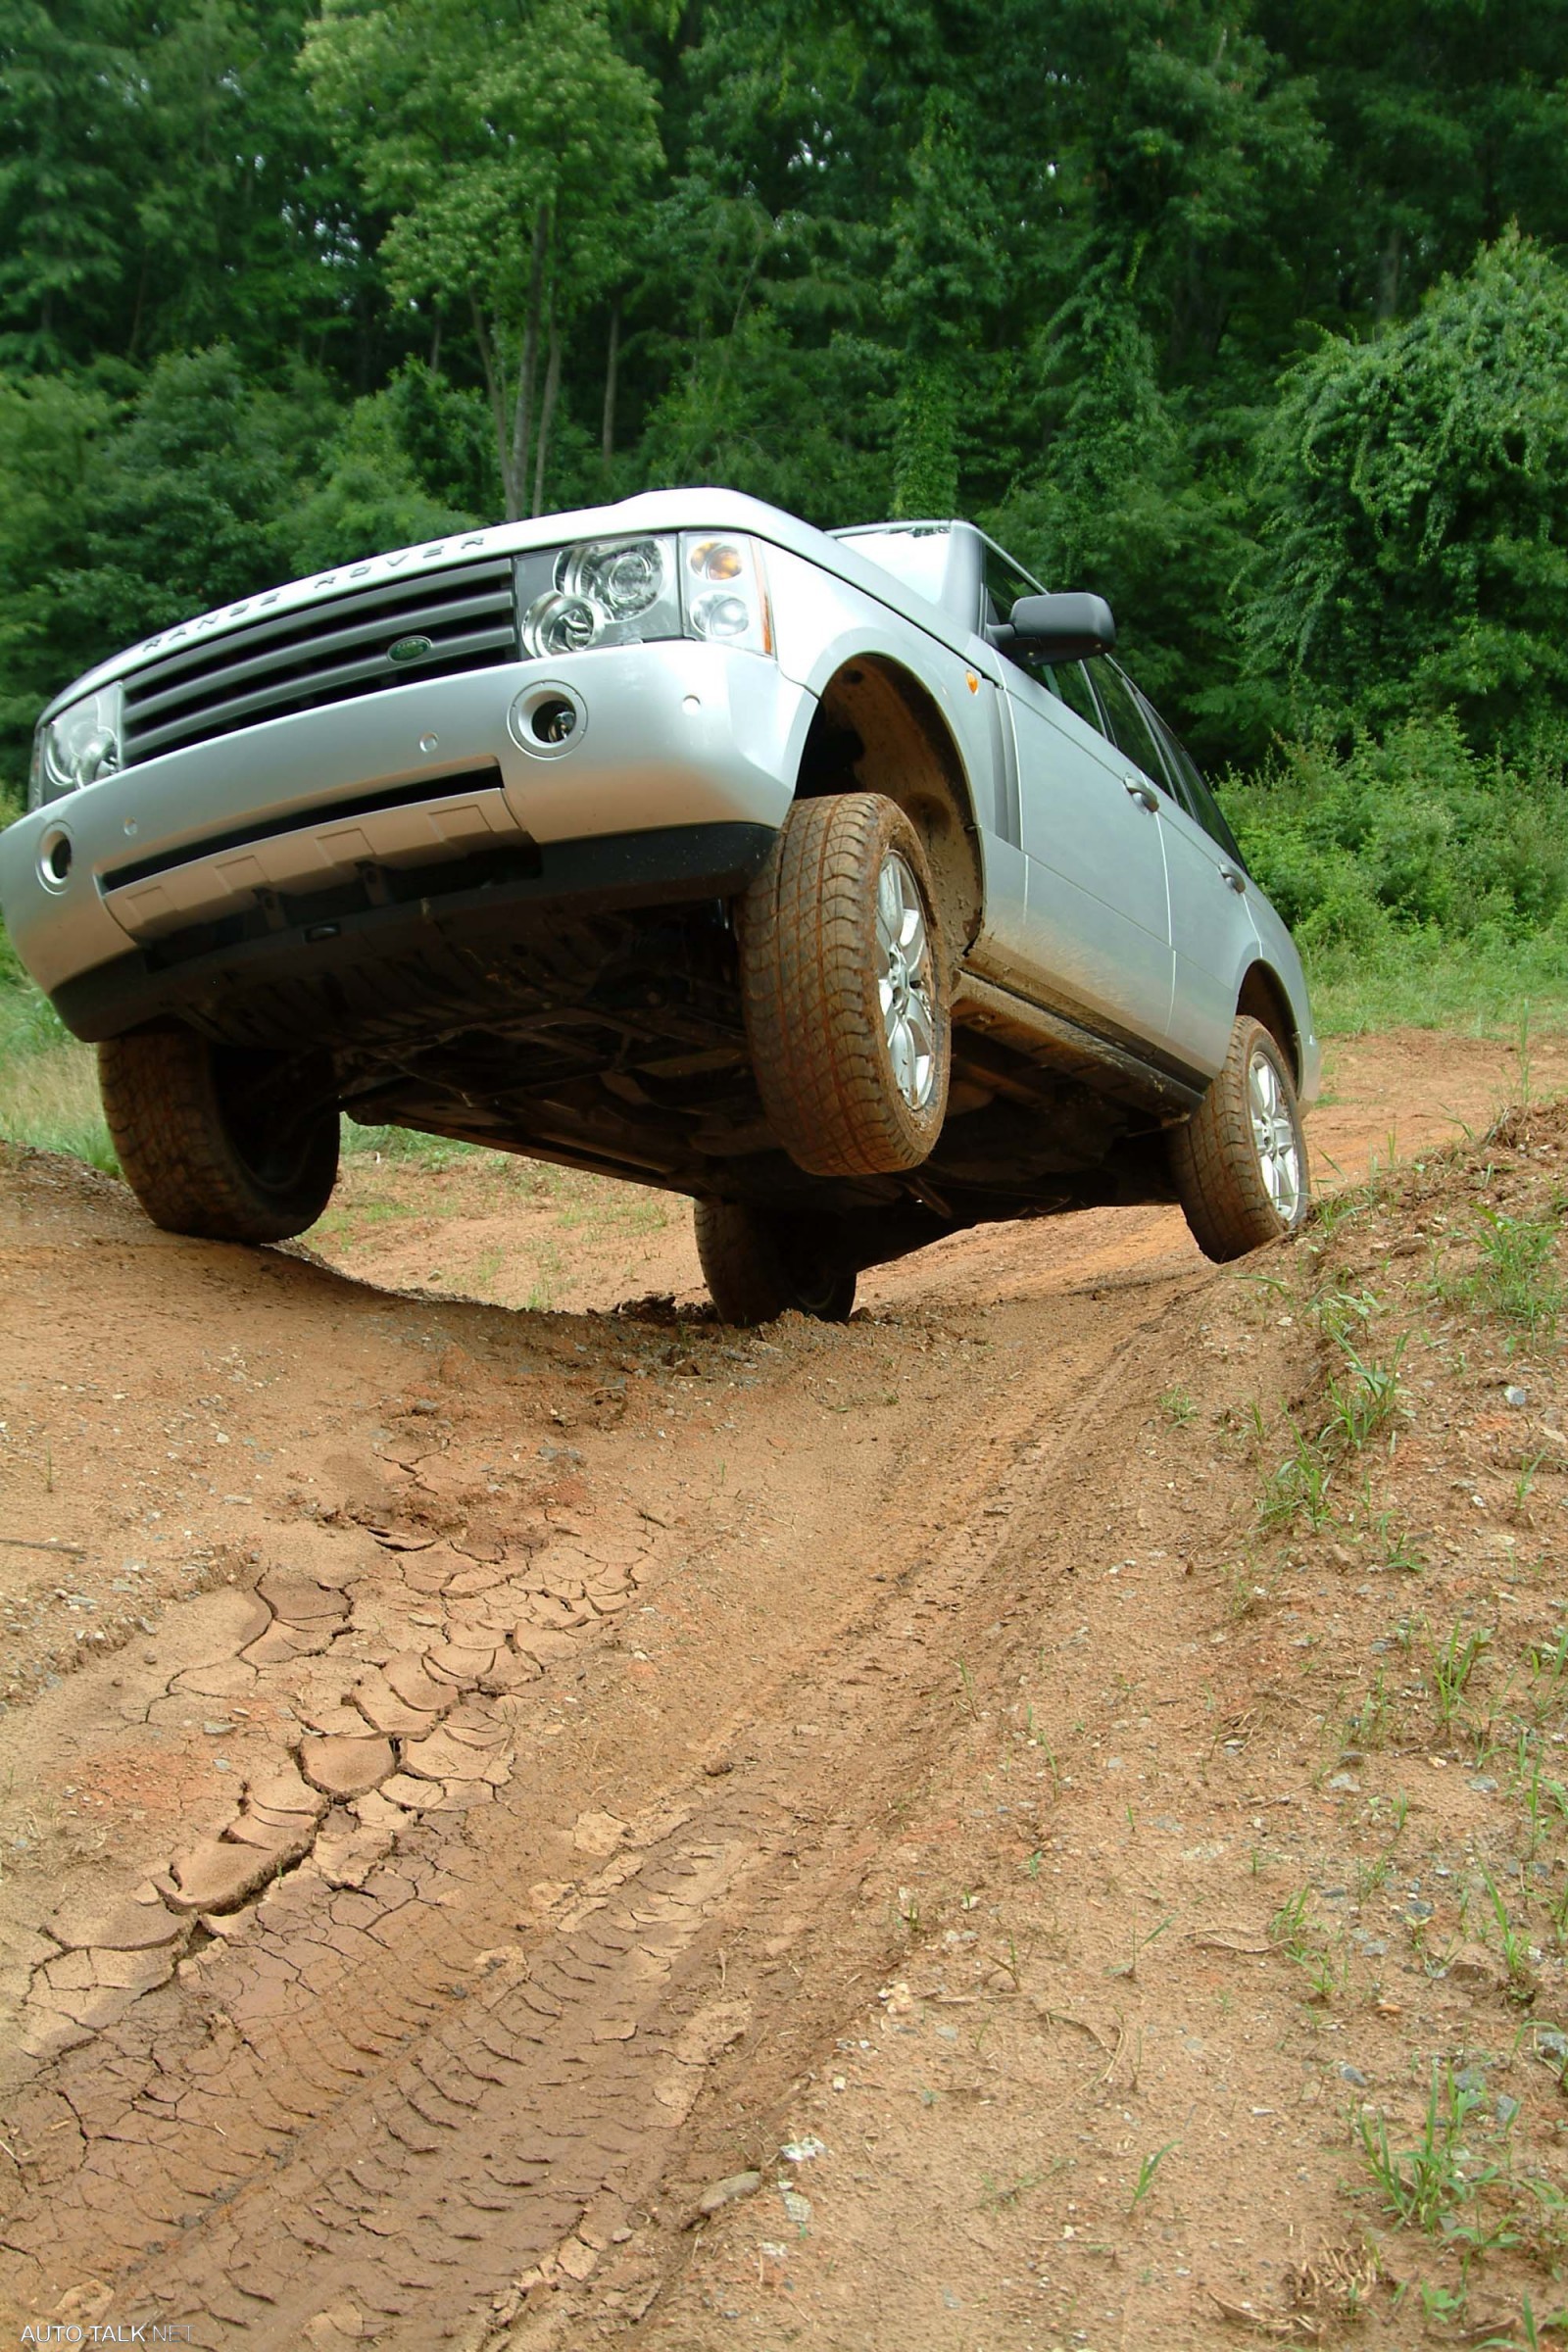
(527, 1827)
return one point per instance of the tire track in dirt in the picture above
(393, 2098)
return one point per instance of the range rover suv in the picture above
(844, 883)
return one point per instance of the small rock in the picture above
(1353, 2074)
(1346, 1782)
(1515, 1395)
(805, 2150)
(798, 2208)
(725, 2192)
(1483, 1784)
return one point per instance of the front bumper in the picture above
(673, 735)
(425, 948)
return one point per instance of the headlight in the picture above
(79, 747)
(635, 590)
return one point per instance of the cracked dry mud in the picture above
(478, 1717)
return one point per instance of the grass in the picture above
(48, 1080)
(1424, 981)
(1453, 1662)
(1431, 2184)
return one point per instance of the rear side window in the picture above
(1129, 729)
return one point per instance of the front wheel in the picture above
(1239, 1161)
(759, 1263)
(845, 989)
(218, 1140)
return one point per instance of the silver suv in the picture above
(842, 882)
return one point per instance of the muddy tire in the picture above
(212, 1138)
(846, 988)
(1240, 1162)
(757, 1264)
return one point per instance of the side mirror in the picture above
(1068, 628)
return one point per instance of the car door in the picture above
(1098, 922)
(1212, 931)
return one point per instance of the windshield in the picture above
(941, 562)
(916, 552)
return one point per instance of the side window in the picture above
(1070, 680)
(1129, 729)
(1006, 582)
(1196, 796)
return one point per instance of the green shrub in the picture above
(1411, 833)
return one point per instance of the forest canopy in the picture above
(1251, 317)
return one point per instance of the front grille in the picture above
(326, 653)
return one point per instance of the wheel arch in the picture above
(1264, 995)
(878, 729)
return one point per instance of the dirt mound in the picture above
(584, 1825)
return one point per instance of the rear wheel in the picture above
(218, 1141)
(845, 989)
(1240, 1162)
(757, 1263)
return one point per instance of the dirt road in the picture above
(474, 1780)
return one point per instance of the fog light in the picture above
(547, 720)
(55, 854)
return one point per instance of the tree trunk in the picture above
(611, 369)
(1389, 271)
(516, 462)
(490, 361)
(547, 411)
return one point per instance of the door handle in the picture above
(1237, 881)
(1143, 794)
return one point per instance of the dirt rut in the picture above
(561, 1689)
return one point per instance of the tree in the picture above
(508, 147)
(1415, 545)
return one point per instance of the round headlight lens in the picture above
(82, 746)
(559, 624)
(719, 616)
(715, 560)
(624, 579)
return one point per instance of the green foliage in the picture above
(281, 283)
(1414, 831)
(1431, 2185)
(508, 147)
(1415, 552)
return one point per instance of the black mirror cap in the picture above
(1067, 627)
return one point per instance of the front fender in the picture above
(823, 625)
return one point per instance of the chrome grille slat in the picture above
(296, 662)
(319, 649)
(334, 685)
